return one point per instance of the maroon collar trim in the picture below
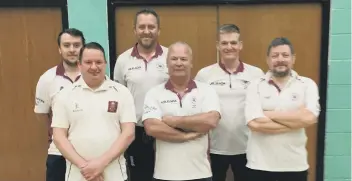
(60, 70)
(135, 53)
(240, 68)
(191, 85)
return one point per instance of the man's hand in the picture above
(93, 170)
(99, 178)
(170, 120)
(193, 135)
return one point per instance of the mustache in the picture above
(280, 64)
(146, 36)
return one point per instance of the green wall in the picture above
(91, 17)
(338, 128)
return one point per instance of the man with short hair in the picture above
(93, 121)
(49, 85)
(230, 78)
(179, 114)
(279, 106)
(140, 68)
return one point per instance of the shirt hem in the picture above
(299, 169)
(182, 178)
(227, 153)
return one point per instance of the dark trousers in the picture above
(258, 175)
(202, 179)
(221, 163)
(140, 157)
(55, 168)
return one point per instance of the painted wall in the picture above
(338, 128)
(91, 17)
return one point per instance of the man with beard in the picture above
(179, 114)
(93, 121)
(49, 85)
(229, 77)
(140, 68)
(278, 108)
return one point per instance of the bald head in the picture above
(179, 45)
(179, 60)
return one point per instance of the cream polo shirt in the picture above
(285, 151)
(139, 75)
(187, 160)
(231, 135)
(48, 86)
(93, 119)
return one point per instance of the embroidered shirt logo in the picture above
(112, 106)
(77, 108)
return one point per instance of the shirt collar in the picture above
(103, 87)
(135, 53)
(240, 68)
(60, 71)
(191, 85)
(269, 74)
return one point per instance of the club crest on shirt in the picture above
(112, 106)
(194, 102)
(245, 84)
(294, 96)
(77, 108)
(160, 66)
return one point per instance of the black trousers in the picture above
(221, 163)
(55, 168)
(202, 179)
(140, 157)
(258, 175)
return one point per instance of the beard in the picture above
(147, 46)
(281, 73)
(71, 64)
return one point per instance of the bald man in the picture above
(179, 114)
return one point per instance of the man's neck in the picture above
(70, 69)
(146, 53)
(231, 64)
(94, 84)
(180, 84)
(281, 81)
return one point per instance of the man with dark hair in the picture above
(140, 68)
(279, 106)
(49, 85)
(93, 121)
(229, 77)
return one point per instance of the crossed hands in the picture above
(93, 170)
(172, 122)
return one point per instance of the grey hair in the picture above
(182, 44)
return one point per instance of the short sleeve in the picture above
(127, 112)
(60, 115)
(151, 108)
(200, 76)
(253, 108)
(42, 96)
(211, 100)
(118, 72)
(312, 98)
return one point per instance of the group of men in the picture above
(167, 125)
